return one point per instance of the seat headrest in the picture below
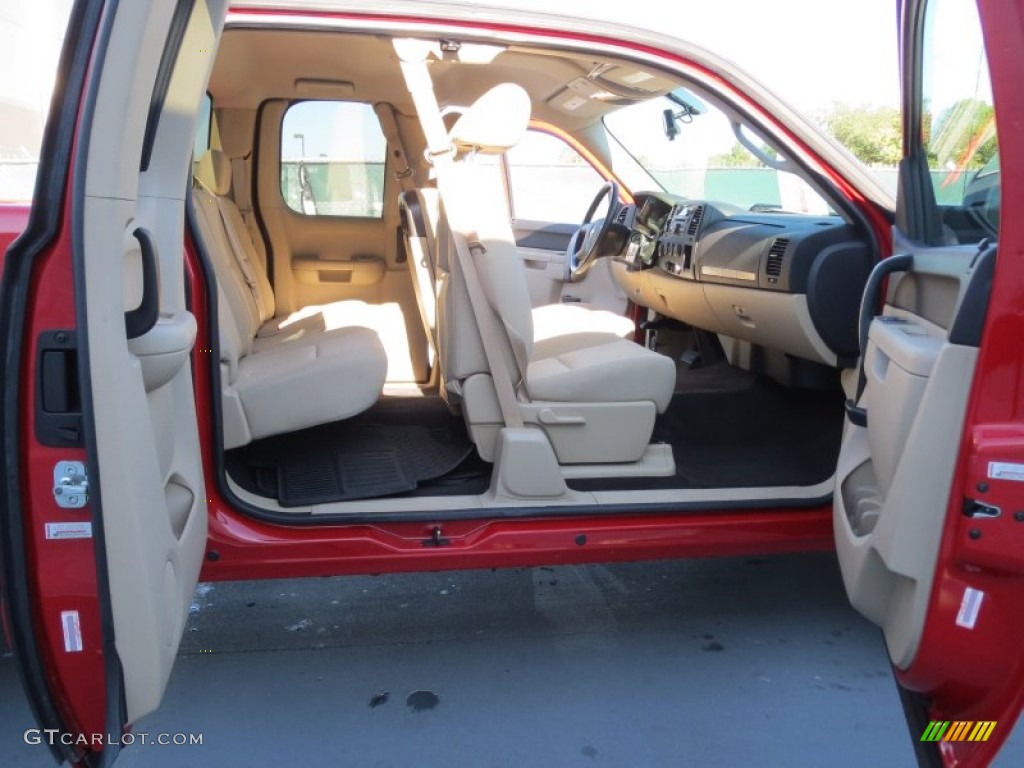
(213, 171)
(496, 122)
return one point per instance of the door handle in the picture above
(139, 321)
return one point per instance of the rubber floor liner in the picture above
(349, 460)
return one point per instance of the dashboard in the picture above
(782, 280)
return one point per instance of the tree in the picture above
(873, 134)
(736, 157)
(962, 136)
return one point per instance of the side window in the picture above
(332, 159)
(549, 180)
(958, 120)
(203, 124)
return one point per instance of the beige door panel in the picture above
(893, 478)
(599, 288)
(545, 271)
(358, 273)
(147, 441)
(545, 279)
(324, 260)
(325, 242)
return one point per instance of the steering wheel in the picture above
(585, 245)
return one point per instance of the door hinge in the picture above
(70, 485)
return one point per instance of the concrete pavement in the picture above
(742, 661)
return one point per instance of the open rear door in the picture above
(104, 511)
(929, 498)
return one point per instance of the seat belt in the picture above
(243, 261)
(412, 55)
(238, 252)
(240, 188)
(393, 136)
(241, 192)
(500, 373)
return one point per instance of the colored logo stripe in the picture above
(958, 730)
(935, 731)
(982, 730)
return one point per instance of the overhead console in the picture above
(785, 281)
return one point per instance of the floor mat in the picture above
(401, 445)
(758, 435)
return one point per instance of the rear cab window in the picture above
(332, 159)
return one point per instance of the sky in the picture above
(812, 53)
(847, 52)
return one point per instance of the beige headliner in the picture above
(254, 65)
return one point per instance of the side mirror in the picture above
(670, 125)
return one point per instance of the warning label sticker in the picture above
(1005, 470)
(967, 617)
(69, 530)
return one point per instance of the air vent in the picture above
(623, 215)
(695, 221)
(775, 254)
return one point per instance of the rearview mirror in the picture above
(670, 125)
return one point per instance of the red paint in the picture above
(979, 674)
(65, 569)
(972, 674)
(250, 549)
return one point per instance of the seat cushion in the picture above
(386, 320)
(561, 328)
(619, 371)
(318, 378)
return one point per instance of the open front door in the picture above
(929, 498)
(104, 510)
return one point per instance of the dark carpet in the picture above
(404, 446)
(754, 433)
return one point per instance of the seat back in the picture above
(476, 210)
(246, 299)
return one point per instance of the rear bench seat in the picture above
(278, 374)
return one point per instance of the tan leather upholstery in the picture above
(571, 325)
(609, 373)
(556, 327)
(213, 169)
(496, 122)
(571, 371)
(278, 375)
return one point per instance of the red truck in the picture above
(298, 295)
